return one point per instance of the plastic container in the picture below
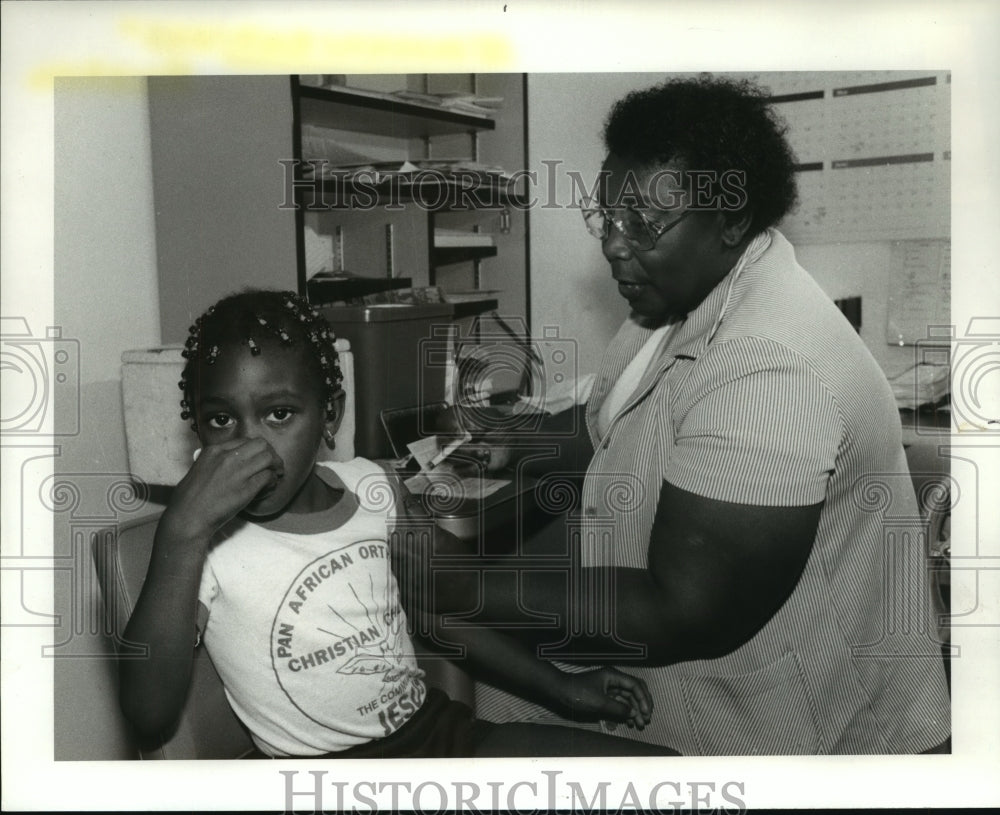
(401, 355)
(160, 443)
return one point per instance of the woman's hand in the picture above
(488, 448)
(225, 478)
(606, 694)
(494, 456)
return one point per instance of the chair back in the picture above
(207, 727)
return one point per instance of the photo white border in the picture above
(41, 39)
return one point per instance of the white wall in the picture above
(571, 286)
(570, 280)
(851, 269)
(106, 298)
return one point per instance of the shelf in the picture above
(473, 308)
(445, 255)
(328, 291)
(383, 114)
(433, 193)
(461, 186)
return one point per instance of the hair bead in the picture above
(283, 315)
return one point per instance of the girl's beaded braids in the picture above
(256, 318)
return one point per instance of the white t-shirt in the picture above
(304, 622)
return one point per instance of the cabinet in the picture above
(401, 187)
(229, 210)
(387, 225)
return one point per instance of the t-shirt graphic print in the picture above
(341, 621)
(305, 626)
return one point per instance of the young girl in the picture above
(281, 566)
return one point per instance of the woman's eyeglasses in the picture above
(641, 231)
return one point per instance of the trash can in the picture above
(401, 357)
(160, 443)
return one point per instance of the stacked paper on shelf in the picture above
(460, 97)
(470, 296)
(465, 167)
(923, 384)
(456, 100)
(369, 171)
(375, 172)
(444, 238)
(412, 295)
(322, 143)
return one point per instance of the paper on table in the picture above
(448, 449)
(450, 485)
(424, 450)
(429, 453)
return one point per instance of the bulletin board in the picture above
(873, 151)
(919, 286)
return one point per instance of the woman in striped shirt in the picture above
(748, 539)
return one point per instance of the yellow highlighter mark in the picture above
(247, 46)
(186, 46)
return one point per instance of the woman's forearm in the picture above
(501, 660)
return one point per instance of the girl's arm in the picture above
(153, 688)
(223, 480)
(502, 660)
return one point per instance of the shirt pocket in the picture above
(769, 711)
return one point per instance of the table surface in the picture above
(925, 427)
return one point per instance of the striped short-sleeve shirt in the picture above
(765, 395)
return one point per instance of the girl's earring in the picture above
(331, 441)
